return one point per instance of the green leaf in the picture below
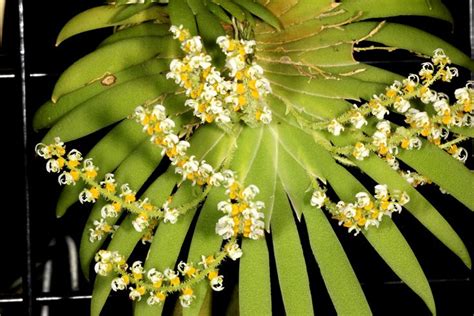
(279, 7)
(109, 107)
(140, 30)
(328, 37)
(167, 243)
(247, 143)
(126, 237)
(290, 140)
(181, 14)
(210, 29)
(316, 106)
(289, 259)
(306, 10)
(343, 88)
(50, 112)
(441, 168)
(254, 279)
(205, 241)
(295, 180)
(421, 209)
(387, 8)
(134, 170)
(129, 11)
(419, 41)
(218, 12)
(261, 12)
(111, 59)
(387, 240)
(339, 277)
(105, 16)
(121, 141)
(124, 241)
(232, 8)
(263, 173)
(329, 56)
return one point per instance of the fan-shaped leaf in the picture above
(387, 240)
(111, 59)
(134, 170)
(336, 270)
(50, 112)
(105, 16)
(254, 279)
(440, 167)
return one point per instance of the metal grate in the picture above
(37, 295)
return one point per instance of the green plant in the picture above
(281, 137)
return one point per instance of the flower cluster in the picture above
(158, 284)
(365, 211)
(242, 215)
(247, 220)
(72, 167)
(212, 96)
(434, 120)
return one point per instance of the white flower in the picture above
(192, 45)
(167, 125)
(418, 118)
(384, 127)
(401, 105)
(358, 120)
(66, 178)
(170, 274)
(233, 251)
(225, 227)
(217, 283)
(108, 210)
(170, 215)
(216, 179)
(228, 176)
(140, 223)
(460, 154)
(266, 116)
(360, 151)
(43, 151)
(335, 127)
(426, 71)
(379, 111)
(225, 207)
(462, 95)
(439, 57)
(256, 229)
(102, 268)
(255, 71)
(250, 192)
(155, 298)
(74, 155)
(89, 195)
(186, 298)
(348, 210)
(318, 198)
(381, 191)
(427, 95)
(235, 64)
(136, 293)
(154, 275)
(53, 166)
(441, 106)
(363, 199)
(379, 138)
(119, 284)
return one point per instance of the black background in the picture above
(449, 279)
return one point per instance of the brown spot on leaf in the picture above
(108, 80)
